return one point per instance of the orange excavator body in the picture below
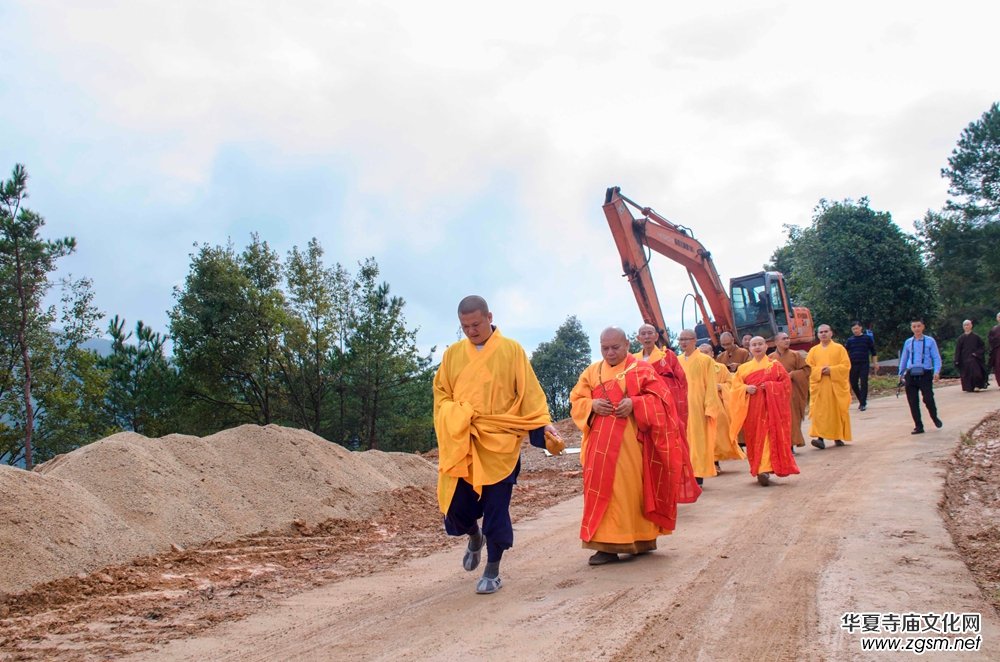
(757, 304)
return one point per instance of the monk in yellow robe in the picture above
(798, 371)
(726, 448)
(829, 390)
(486, 400)
(704, 406)
(761, 407)
(635, 465)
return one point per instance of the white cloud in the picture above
(728, 119)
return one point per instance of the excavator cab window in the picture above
(752, 307)
(777, 305)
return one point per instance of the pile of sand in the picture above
(128, 495)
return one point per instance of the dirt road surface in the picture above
(751, 574)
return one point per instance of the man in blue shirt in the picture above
(920, 366)
(860, 347)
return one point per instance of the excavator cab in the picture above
(759, 305)
(761, 308)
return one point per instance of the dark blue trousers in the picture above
(494, 508)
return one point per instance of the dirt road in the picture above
(751, 573)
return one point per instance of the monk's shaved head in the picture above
(614, 345)
(472, 304)
(726, 336)
(706, 349)
(780, 336)
(647, 327)
(613, 333)
(824, 327)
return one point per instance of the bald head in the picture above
(782, 342)
(472, 304)
(686, 339)
(825, 334)
(614, 345)
(476, 319)
(757, 346)
(727, 340)
(706, 349)
(647, 337)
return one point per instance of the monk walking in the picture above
(798, 372)
(761, 407)
(732, 355)
(726, 447)
(993, 339)
(829, 390)
(666, 365)
(486, 400)
(704, 406)
(970, 358)
(635, 465)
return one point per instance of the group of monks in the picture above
(654, 425)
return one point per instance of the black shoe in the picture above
(862, 407)
(602, 558)
(764, 479)
(937, 422)
(917, 431)
(818, 443)
(839, 442)
(699, 480)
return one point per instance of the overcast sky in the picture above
(467, 146)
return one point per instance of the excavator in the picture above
(756, 304)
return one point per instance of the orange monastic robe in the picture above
(704, 406)
(485, 402)
(829, 395)
(726, 447)
(798, 371)
(764, 417)
(635, 469)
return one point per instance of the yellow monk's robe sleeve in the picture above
(582, 405)
(712, 402)
(813, 361)
(840, 363)
(739, 401)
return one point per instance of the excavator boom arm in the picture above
(631, 235)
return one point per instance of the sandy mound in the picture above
(128, 495)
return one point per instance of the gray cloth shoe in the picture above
(471, 559)
(487, 585)
(601, 558)
(764, 479)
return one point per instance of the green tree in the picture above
(384, 372)
(558, 364)
(317, 304)
(67, 381)
(226, 326)
(27, 260)
(974, 169)
(143, 388)
(854, 263)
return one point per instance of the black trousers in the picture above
(859, 382)
(494, 507)
(924, 385)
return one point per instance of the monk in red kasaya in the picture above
(760, 405)
(636, 467)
